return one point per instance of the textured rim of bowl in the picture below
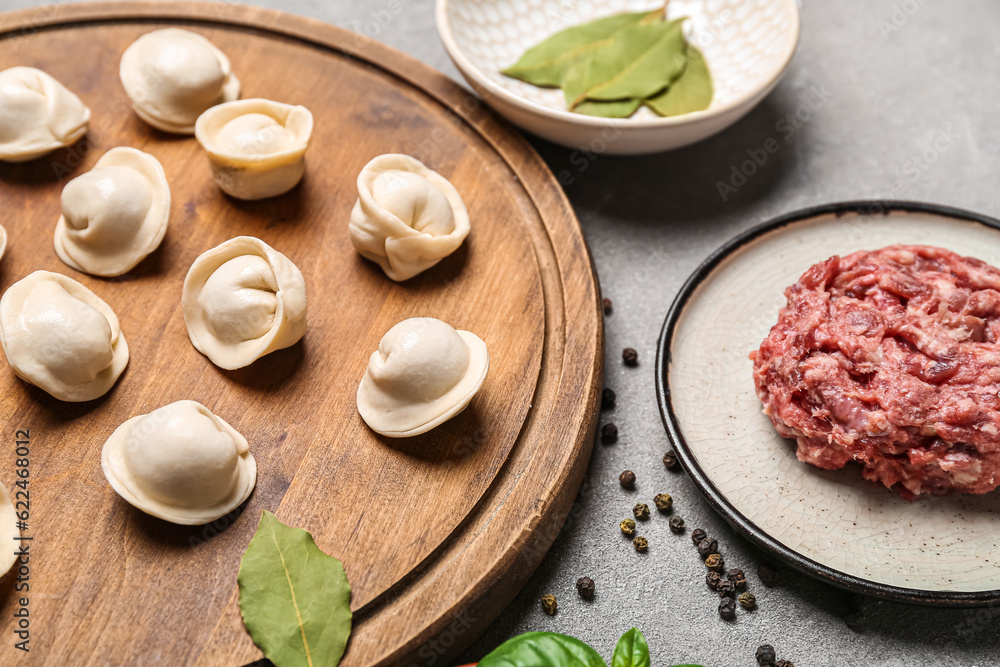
(743, 524)
(471, 71)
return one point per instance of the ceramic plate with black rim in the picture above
(832, 524)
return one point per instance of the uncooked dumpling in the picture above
(171, 76)
(37, 115)
(180, 463)
(256, 147)
(407, 217)
(59, 336)
(423, 374)
(114, 215)
(243, 299)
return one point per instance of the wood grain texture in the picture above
(438, 532)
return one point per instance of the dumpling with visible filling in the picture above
(37, 115)
(171, 76)
(59, 336)
(180, 463)
(243, 299)
(114, 215)
(423, 374)
(407, 217)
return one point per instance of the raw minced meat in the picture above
(891, 358)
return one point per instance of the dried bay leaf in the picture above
(691, 91)
(612, 109)
(638, 61)
(295, 600)
(546, 63)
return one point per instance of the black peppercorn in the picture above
(641, 511)
(697, 535)
(715, 562)
(768, 574)
(585, 587)
(609, 434)
(663, 502)
(748, 601)
(783, 663)
(640, 544)
(608, 399)
(627, 526)
(606, 303)
(670, 460)
(738, 578)
(630, 356)
(549, 604)
(726, 588)
(727, 609)
(676, 524)
(765, 655)
(713, 579)
(627, 479)
(707, 546)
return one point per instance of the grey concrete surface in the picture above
(896, 98)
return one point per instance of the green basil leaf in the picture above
(547, 62)
(631, 650)
(638, 61)
(543, 649)
(295, 600)
(612, 109)
(691, 91)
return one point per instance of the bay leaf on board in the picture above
(691, 91)
(295, 600)
(546, 63)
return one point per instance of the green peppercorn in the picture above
(783, 663)
(628, 527)
(641, 511)
(727, 609)
(663, 502)
(748, 601)
(715, 562)
(676, 524)
(713, 579)
(549, 604)
(640, 544)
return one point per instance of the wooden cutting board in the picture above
(437, 533)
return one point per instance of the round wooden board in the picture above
(437, 533)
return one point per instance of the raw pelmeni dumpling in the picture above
(37, 115)
(423, 374)
(407, 217)
(171, 76)
(256, 148)
(114, 215)
(59, 336)
(243, 299)
(180, 463)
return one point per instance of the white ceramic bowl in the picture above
(748, 45)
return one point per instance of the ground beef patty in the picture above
(891, 358)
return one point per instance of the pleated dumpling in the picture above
(37, 115)
(243, 299)
(171, 76)
(59, 336)
(423, 374)
(180, 463)
(407, 217)
(114, 215)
